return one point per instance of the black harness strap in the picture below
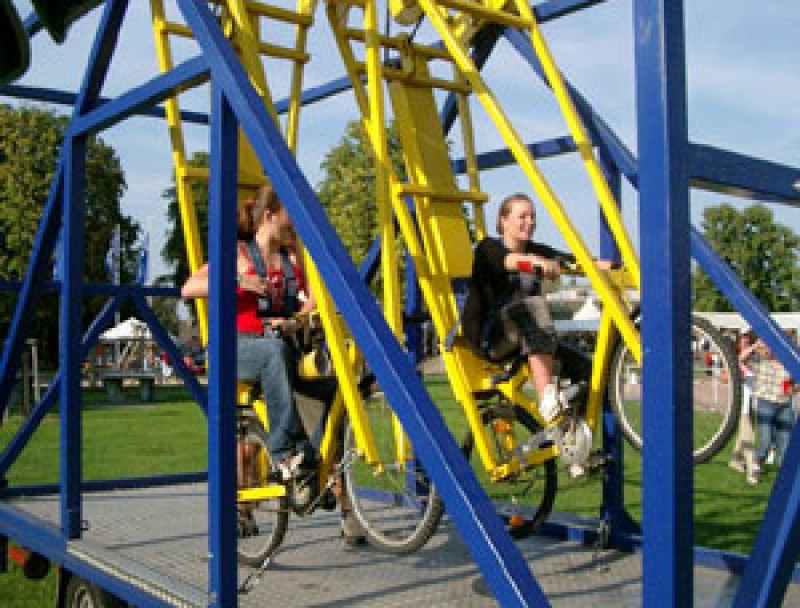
(291, 303)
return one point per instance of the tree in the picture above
(762, 253)
(348, 189)
(30, 141)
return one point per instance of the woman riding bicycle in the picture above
(271, 291)
(505, 312)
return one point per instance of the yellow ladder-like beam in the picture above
(440, 19)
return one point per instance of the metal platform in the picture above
(157, 537)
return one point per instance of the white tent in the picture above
(590, 311)
(130, 329)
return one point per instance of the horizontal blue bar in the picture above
(187, 75)
(743, 176)
(632, 543)
(106, 485)
(503, 157)
(96, 289)
(68, 99)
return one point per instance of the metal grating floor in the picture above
(160, 533)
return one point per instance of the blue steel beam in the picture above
(37, 266)
(503, 567)
(502, 157)
(72, 257)
(68, 99)
(667, 505)
(164, 341)
(187, 75)
(108, 485)
(554, 9)
(222, 351)
(70, 359)
(743, 176)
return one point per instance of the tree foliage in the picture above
(762, 253)
(348, 189)
(30, 141)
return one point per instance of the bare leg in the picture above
(541, 371)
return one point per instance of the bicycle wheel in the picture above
(524, 500)
(394, 501)
(262, 524)
(716, 391)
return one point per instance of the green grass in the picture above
(168, 436)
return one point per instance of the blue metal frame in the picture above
(222, 209)
(669, 164)
(667, 506)
(502, 565)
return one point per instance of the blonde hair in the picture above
(505, 207)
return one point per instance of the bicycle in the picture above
(265, 501)
(508, 443)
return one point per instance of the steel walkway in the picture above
(158, 537)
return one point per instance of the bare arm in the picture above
(196, 286)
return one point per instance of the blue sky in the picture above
(743, 91)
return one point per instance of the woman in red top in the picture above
(271, 290)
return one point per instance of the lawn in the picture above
(169, 436)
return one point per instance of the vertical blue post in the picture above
(70, 355)
(664, 235)
(222, 352)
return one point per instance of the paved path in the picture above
(160, 534)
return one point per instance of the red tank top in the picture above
(247, 301)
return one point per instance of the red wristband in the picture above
(524, 266)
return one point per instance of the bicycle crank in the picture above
(574, 441)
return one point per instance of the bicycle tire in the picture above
(270, 517)
(523, 511)
(716, 404)
(398, 510)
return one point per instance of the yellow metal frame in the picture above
(241, 23)
(438, 203)
(437, 240)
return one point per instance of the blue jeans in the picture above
(775, 422)
(272, 361)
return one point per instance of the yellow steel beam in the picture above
(186, 207)
(602, 286)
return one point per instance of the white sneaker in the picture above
(576, 471)
(737, 464)
(290, 466)
(770, 456)
(550, 404)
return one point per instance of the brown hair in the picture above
(252, 210)
(505, 208)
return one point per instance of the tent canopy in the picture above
(130, 329)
